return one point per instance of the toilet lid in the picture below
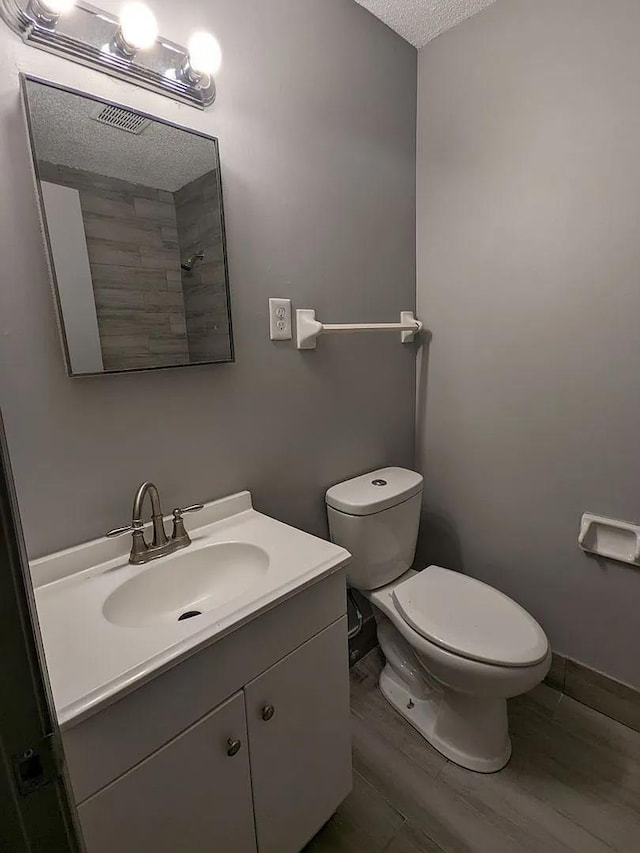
(470, 619)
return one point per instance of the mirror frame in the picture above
(31, 78)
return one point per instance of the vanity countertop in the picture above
(92, 662)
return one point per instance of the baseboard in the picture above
(596, 690)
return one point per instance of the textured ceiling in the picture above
(162, 156)
(418, 21)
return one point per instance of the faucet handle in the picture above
(178, 513)
(120, 531)
(180, 535)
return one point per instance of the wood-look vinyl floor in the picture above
(573, 784)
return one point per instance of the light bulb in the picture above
(205, 54)
(58, 7)
(138, 26)
(47, 12)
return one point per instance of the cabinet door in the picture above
(300, 741)
(192, 796)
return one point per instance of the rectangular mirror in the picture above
(134, 225)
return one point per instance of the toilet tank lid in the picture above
(374, 492)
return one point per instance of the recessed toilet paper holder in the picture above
(610, 538)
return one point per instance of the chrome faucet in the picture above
(161, 545)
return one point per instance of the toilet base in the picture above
(471, 731)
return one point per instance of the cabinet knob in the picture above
(267, 712)
(233, 746)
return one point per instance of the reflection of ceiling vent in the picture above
(122, 119)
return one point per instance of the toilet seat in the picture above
(469, 618)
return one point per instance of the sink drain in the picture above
(189, 615)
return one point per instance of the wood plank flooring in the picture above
(573, 784)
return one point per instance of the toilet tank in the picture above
(376, 517)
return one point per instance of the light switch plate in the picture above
(280, 319)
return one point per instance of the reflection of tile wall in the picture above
(132, 241)
(205, 297)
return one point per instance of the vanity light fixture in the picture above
(127, 47)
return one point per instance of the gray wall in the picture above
(528, 277)
(316, 120)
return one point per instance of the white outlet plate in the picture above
(280, 319)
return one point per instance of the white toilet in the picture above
(455, 648)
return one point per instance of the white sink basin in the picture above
(108, 626)
(186, 586)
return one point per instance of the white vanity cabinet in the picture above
(300, 742)
(243, 747)
(192, 795)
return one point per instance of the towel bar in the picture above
(308, 329)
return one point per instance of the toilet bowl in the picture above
(455, 648)
(457, 703)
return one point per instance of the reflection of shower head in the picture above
(189, 263)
